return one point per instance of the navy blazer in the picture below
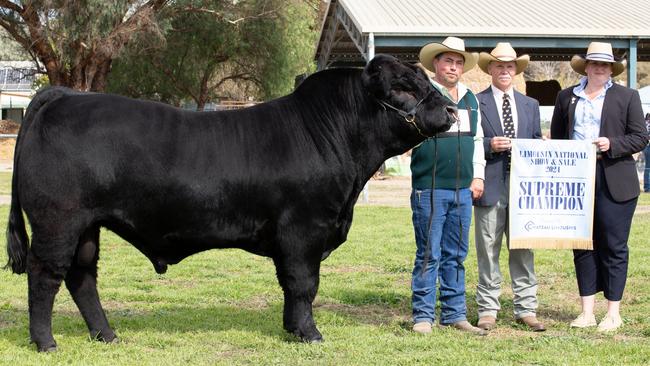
(622, 122)
(496, 164)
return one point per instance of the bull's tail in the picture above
(17, 239)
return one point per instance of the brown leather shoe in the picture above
(465, 326)
(532, 323)
(487, 322)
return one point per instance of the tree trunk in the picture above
(204, 91)
(99, 82)
(88, 60)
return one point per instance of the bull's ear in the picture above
(420, 71)
(376, 77)
(421, 79)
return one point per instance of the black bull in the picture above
(279, 179)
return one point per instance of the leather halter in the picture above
(409, 117)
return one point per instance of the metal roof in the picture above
(354, 30)
(500, 18)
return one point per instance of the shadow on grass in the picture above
(363, 307)
(383, 307)
(174, 319)
(168, 319)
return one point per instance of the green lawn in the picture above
(225, 307)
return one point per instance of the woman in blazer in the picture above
(610, 116)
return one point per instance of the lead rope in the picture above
(432, 209)
(457, 204)
(457, 190)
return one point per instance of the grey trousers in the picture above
(490, 225)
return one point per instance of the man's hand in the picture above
(602, 143)
(476, 187)
(500, 143)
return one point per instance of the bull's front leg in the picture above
(298, 275)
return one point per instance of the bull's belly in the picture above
(164, 247)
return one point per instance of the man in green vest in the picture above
(447, 172)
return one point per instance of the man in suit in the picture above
(505, 114)
(610, 116)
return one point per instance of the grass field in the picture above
(225, 307)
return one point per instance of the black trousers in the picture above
(605, 267)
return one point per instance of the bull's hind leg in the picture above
(81, 281)
(43, 285)
(298, 275)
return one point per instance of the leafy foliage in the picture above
(10, 50)
(76, 41)
(220, 50)
(552, 70)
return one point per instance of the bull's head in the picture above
(405, 89)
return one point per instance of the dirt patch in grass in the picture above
(233, 353)
(350, 269)
(178, 282)
(7, 144)
(367, 314)
(256, 302)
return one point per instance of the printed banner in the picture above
(551, 194)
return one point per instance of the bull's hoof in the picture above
(46, 348)
(106, 337)
(313, 341)
(309, 337)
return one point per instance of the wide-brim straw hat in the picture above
(450, 44)
(598, 51)
(503, 52)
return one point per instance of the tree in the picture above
(10, 50)
(221, 50)
(643, 74)
(75, 42)
(552, 70)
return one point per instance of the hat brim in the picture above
(485, 58)
(579, 62)
(431, 50)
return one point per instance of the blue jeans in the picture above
(449, 245)
(646, 171)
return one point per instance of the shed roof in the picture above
(353, 30)
(582, 19)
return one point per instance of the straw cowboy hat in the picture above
(505, 53)
(598, 51)
(450, 44)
